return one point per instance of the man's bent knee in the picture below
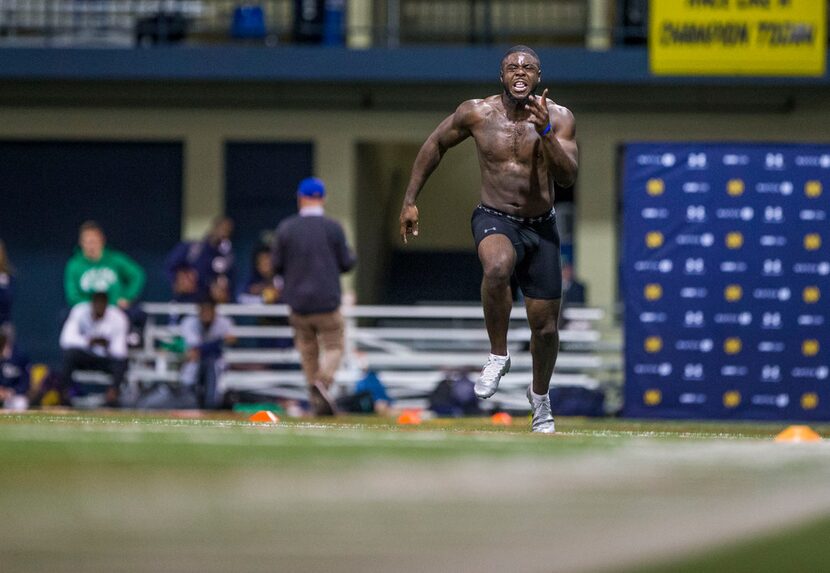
(498, 270)
(548, 331)
(497, 258)
(497, 264)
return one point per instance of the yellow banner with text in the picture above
(738, 37)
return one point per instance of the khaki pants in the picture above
(316, 332)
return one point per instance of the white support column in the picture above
(599, 25)
(335, 159)
(359, 24)
(204, 183)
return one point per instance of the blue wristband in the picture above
(547, 130)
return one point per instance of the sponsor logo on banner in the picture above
(693, 187)
(734, 240)
(655, 187)
(696, 161)
(662, 266)
(733, 267)
(771, 321)
(819, 373)
(809, 401)
(735, 187)
(773, 241)
(774, 162)
(693, 292)
(696, 213)
(812, 189)
(771, 346)
(810, 347)
(822, 268)
(739, 318)
(653, 291)
(810, 320)
(811, 294)
(812, 215)
(664, 159)
(655, 213)
(773, 214)
(694, 319)
(663, 369)
(736, 213)
(703, 240)
(654, 239)
(653, 344)
(733, 293)
(732, 399)
(812, 241)
(733, 370)
(772, 268)
(653, 317)
(693, 372)
(732, 345)
(652, 397)
(784, 188)
(822, 161)
(733, 159)
(695, 266)
(777, 400)
(771, 373)
(692, 398)
(783, 294)
(704, 345)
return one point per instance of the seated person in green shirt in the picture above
(96, 268)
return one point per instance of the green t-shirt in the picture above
(114, 273)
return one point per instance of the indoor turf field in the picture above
(112, 491)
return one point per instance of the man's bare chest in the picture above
(502, 139)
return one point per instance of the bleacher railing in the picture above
(412, 348)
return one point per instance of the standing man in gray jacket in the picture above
(311, 252)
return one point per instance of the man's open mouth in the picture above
(520, 86)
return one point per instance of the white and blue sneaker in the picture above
(542, 416)
(488, 382)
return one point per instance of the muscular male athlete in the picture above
(524, 143)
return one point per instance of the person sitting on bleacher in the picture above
(14, 372)
(6, 286)
(94, 337)
(264, 285)
(205, 336)
(95, 268)
(207, 265)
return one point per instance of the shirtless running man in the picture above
(525, 143)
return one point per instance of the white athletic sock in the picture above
(538, 397)
(498, 358)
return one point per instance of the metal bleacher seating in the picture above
(411, 348)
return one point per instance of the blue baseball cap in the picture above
(312, 187)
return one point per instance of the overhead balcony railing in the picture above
(356, 23)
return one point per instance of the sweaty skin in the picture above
(518, 164)
(520, 159)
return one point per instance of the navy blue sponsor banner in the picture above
(726, 281)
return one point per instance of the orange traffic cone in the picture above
(409, 417)
(265, 416)
(501, 419)
(795, 434)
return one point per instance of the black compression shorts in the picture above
(538, 267)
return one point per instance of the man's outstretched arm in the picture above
(449, 133)
(557, 128)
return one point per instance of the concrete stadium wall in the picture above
(365, 157)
